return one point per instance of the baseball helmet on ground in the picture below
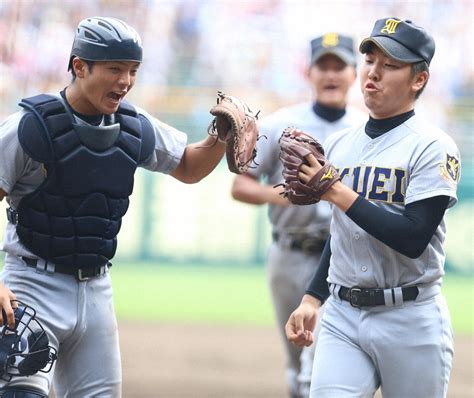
(25, 350)
(106, 39)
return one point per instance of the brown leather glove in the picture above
(295, 145)
(235, 124)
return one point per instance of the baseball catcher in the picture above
(235, 124)
(295, 146)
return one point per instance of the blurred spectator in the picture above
(252, 47)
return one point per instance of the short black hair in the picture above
(419, 67)
(89, 64)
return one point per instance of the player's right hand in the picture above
(302, 321)
(6, 296)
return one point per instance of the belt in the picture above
(360, 297)
(81, 274)
(308, 245)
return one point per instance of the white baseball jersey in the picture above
(20, 175)
(412, 162)
(296, 219)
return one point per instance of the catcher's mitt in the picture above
(295, 145)
(235, 124)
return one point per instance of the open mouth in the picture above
(116, 96)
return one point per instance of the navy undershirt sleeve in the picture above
(319, 287)
(408, 233)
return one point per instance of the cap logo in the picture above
(330, 40)
(390, 26)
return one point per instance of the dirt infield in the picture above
(204, 361)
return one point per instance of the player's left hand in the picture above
(307, 172)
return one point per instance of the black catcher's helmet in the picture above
(106, 39)
(24, 350)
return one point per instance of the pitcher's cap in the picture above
(401, 40)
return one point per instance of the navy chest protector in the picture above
(74, 216)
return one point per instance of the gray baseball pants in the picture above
(406, 350)
(80, 321)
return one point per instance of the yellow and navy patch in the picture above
(451, 169)
(390, 26)
(330, 40)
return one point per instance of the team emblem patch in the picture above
(450, 169)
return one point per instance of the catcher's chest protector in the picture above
(73, 218)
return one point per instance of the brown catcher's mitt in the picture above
(295, 145)
(235, 124)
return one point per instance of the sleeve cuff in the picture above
(318, 296)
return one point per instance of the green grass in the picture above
(192, 293)
(459, 292)
(225, 295)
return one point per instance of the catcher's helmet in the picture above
(25, 350)
(106, 39)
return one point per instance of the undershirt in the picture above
(328, 113)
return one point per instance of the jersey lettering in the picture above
(400, 176)
(381, 175)
(343, 173)
(355, 180)
(378, 183)
(365, 183)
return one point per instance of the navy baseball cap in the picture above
(333, 43)
(401, 40)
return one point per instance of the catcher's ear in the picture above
(79, 67)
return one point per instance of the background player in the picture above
(299, 232)
(66, 168)
(386, 323)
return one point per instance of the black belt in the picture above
(308, 245)
(360, 297)
(81, 274)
